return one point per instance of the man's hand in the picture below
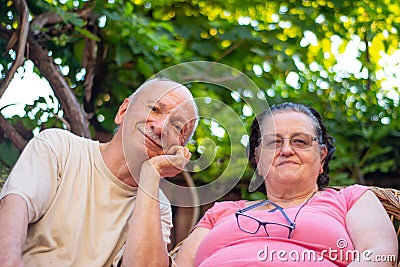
(168, 165)
(11, 262)
(172, 163)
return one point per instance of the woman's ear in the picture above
(257, 155)
(119, 117)
(324, 152)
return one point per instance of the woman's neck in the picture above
(290, 198)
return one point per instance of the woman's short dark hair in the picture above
(320, 129)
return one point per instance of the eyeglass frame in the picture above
(314, 139)
(291, 226)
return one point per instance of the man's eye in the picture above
(154, 109)
(177, 126)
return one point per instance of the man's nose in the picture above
(158, 126)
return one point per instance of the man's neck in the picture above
(115, 161)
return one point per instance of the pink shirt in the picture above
(320, 237)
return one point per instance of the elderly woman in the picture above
(301, 223)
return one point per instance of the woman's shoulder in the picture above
(348, 190)
(219, 212)
(226, 205)
(347, 195)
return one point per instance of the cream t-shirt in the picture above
(78, 210)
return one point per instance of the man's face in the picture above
(160, 116)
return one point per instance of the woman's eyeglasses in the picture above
(298, 140)
(251, 225)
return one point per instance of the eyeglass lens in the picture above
(300, 141)
(251, 225)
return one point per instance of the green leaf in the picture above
(78, 49)
(73, 18)
(144, 68)
(87, 34)
(123, 54)
(8, 153)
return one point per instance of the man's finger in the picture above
(173, 150)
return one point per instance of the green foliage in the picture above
(267, 40)
(3, 175)
(8, 156)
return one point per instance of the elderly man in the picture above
(71, 201)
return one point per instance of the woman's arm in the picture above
(371, 230)
(186, 254)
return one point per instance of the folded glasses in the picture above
(251, 225)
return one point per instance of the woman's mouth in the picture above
(286, 162)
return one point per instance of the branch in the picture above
(86, 11)
(89, 59)
(4, 32)
(47, 18)
(90, 51)
(12, 134)
(368, 87)
(89, 63)
(230, 50)
(195, 197)
(73, 110)
(50, 18)
(22, 9)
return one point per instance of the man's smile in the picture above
(151, 136)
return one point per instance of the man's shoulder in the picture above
(60, 140)
(57, 134)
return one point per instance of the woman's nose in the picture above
(286, 146)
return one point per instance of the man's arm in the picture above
(145, 245)
(13, 229)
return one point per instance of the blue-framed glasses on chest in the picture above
(251, 225)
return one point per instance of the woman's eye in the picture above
(277, 142)
(299, 141)
(274, 141)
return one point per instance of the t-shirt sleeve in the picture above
(352, 193)
(207, 220)
(34, 177)
(219, 211)
(166, 217)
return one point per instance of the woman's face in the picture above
(287, 165)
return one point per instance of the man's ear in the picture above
(119, 117)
